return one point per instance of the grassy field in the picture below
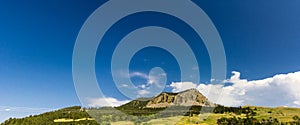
(75, 115)
(210, 119)
(122, 123)
(281, 113)
(73, 120)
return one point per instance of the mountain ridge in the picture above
(189, 97)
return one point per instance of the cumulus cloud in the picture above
(279, 90)
(108, 101)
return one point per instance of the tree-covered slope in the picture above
(48, 118)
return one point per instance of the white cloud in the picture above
(19, 112)
(154, 79)
(143, 93)
(21, 109)
(143, 86)
(138, 74)
(279, 90)
(124, 85)
(155, 82)
(195, 68)
(108, 101)
(235, 76)
(181, 86)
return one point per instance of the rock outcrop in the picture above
(191, 97)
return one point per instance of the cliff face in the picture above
(191, 97)
(162, 100)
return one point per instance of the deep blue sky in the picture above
(261, 39)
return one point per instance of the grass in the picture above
(73, 120)
(165, 121)
(122, 123)
(281, 113)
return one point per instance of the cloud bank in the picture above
(279, 90)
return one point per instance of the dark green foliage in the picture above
(250, 120)
(295, 122)
(237, 121)
(254, 121)
(48, 118)
(236, 110)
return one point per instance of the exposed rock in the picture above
(191, 97)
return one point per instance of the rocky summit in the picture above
(190, 97)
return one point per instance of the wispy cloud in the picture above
(22, 109)
(108, 101)
(154, 81)
(279, 90)
(139, 74)
(143, 92)
(19, 112)
(195, 68)
(7, 110)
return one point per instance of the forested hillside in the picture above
(48, 118)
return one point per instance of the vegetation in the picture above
(48, 118)
(173, 115)
(264, 116)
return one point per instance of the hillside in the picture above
(187, 107)
(190, 97)
(71, 115)
(77, 116)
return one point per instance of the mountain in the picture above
(138, 107)
(190, 97)
(153, 111)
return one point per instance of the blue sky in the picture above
(261, 39)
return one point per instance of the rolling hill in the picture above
(186, 107)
